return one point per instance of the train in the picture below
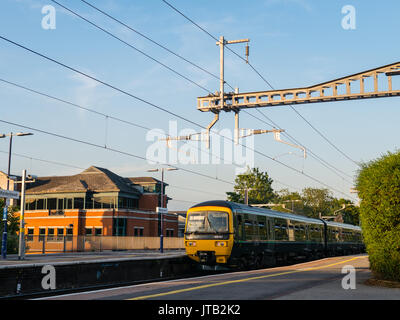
(233, 235)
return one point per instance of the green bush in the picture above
(378, 185)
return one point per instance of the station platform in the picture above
(88, 270)
(30, 260)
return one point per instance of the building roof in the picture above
(92, 179)
(146, 180)
(11, 175)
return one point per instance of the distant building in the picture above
(13, 186)
(181, 221)
(96, 202)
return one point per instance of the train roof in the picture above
(342, 225)
(248, 208)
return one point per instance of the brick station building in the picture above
(96, 202)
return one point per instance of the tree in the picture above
(289, 202)
(349, 212)
(12, 227)
(317, 201)
(258, 184)
(378, 185)
(313, 201)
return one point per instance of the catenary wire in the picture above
(155, 42)
(267, 82)
(109, 116)
(133, 47)
(162, 109)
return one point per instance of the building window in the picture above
(68, 203)
(127, 203)
(108, 202)
(52, 203)
(29, 236)
(97, 203)
(60, 204)
(170, 232)
(88, 231)
(98, 231)
(30, 204)
(138, 232)
(69, 232)
(119, 226)
(79, 203)
(88, 202)
(50, 234)
(42, 233)
(40, 204)
(60, 234)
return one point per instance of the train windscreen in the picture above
(207, 222)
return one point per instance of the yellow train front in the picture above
(235, 235)
(209, 234)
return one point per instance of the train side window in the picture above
(239, 227)
(248, 227)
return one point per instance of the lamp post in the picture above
(21, 247)
(5, 210)
(162, 204)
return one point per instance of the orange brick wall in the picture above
(80, 219)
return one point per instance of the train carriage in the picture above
(237, 235)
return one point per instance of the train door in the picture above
(238, 226)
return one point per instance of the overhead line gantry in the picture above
(235, 101)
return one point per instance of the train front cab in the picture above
(209, 234)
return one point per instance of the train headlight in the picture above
(191, 243)
(221, 243)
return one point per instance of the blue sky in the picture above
(293, 43)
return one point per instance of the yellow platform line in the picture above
(241, 280)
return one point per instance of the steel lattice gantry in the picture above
(345, 88)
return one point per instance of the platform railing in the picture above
(41, 244)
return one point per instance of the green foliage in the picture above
(289, 202)
(259, 186)
(350, 213)
(378, 185)
(12, 228)
(317, 201)
(313, 201)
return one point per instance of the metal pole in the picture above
(236, 127)
(6, 203)
(9, 161)
(21, 249)
(161, 213)
(221, 69)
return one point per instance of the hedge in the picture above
(378, 185)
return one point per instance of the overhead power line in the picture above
(325, 163)
(111, 149)
(132, 47)
(109, 116)
(42, 160)
(267, 82)
(162, 109)
(154, 42)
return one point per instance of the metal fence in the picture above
(54, 244)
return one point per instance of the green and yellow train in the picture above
(241, 236)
